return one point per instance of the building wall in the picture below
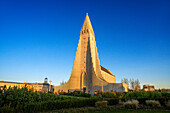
(19, 85)
(148, 88)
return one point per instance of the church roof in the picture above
(106, 70)
(11, 82)
(24, 83)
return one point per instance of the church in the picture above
(87, 73)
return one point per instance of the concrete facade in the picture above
(87, 72)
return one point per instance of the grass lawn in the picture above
(131, 111)
(106, 110)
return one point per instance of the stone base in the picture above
(120, 87)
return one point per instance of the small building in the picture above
(147, 87)
(40, 87)
(165, 90)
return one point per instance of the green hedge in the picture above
(101, 104)
(136, 95)
(24, 100)
(60, 104)
(112, 101)
(20, 100)
(143, 95)
(76, 93)
(52, 105)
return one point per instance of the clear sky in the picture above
(39, 38)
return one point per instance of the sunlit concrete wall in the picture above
(108, 77)
(40, 87)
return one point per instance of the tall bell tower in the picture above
(87, 72)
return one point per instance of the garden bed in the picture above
(24, 100)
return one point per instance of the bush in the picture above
(112, 101)
(153, 103)
(60, 104)
(108, 94)
(163, 101)
(101, 104)
(76, 93)
(168, 104)
(166, 95)
(133, 104)
(24, 100)
(142, 101)
(143, 95)
(120, 94)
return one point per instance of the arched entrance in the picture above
(84, 81)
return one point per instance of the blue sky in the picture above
(39, 38)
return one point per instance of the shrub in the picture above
(163, 101)
(120, 94)
(142, 95)
(142, 100)
(168, 104)
(112, 101)
(166, 95)
(108, 94)
(60, 104)
(153, 103)
(24, 100)
(76, 93)
(133, 104)
(101, 104)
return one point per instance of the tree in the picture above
(137, 84)
(125, 80)
(132, 84)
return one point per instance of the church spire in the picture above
(87, 27)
